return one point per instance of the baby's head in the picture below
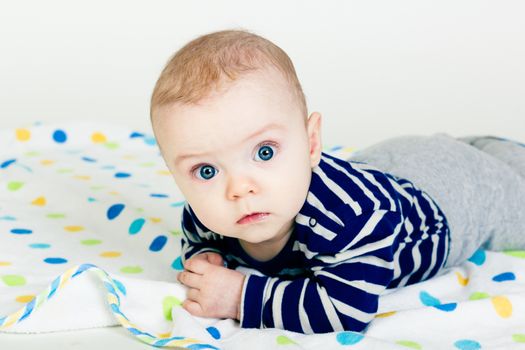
(231, 122)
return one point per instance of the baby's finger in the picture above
(197, 264)
(193, 294)
(215, 259)
(193, 308)
(190, 279)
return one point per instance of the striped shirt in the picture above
(360, 231)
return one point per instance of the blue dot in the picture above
(177, 204)
(122, 175)
(136, 226)
(428, 300)
(446, 307)
(91, 199)
(466, 344)
(214, 332)
(177, 264)
(502, 277)
(21, 231)
(148, 140)
(40, 245)
(59, 136)
(158, 243)
(115, 210)
(120, 286)
(349, 338)
(159, 195)
(7, 163)
(108, 167)
(136, 134)
(478, 257)
(8, 218)
(88, 159)
(55, 260)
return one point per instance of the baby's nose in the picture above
(240, 186)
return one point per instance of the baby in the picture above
(327, 235)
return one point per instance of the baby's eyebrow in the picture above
(264, 129)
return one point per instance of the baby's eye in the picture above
(205, 172)
(265, 153)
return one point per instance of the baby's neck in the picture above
(267, 250)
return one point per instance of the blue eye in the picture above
(265, 153)
(206, 172)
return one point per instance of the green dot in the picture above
(478, 296)
(97, 187)
(167, 304)
(14, 280)
(176, 232)
(147, 164)
(14, 185)
(518, 338)
(409, 344)
(515, 253)
(91, 241)
(283, 340)
(32, 154)
(56, 216)
(64, 170)
(111, 145)
(131, 269)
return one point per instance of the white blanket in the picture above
(90, 237)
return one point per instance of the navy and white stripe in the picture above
(359, 232)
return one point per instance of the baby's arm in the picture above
(343, 290)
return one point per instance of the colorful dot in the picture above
(502, 305)
(14, 185)
(98, 137)
(177, 264)
(120, 286)
(89, 159)
(178, 204)
(115, 211)
(25, 298)
(478, 257)
(74, 228)
(7, 163)
(502, 277)
(56, 216)
(428, 300)
(21, 231)
(409, 344)
(59, 136)
(8, 218)
(283, 340)
(23, 134)
(478, 296)
(386, 314)
(515, 253)
(518, 338)
(462, 280)
(55, 261)
(136, 226)
(39, 245)
(349, 338)
(158, 243)
(466, 344)
(40, 201)
(131, 269)
(89, 242)
(214, 332)
(159, 195)
(14, 280)
(167, 304)
(111, 145)
(446, 307)
(110, 254)
(155, 220)
(122, 175)
(5, 263)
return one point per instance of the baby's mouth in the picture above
(252, 218)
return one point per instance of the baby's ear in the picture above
(313, 128)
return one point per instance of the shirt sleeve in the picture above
(197, 238)
(343, 289)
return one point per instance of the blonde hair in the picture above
(207, 61)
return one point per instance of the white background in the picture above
(374, 69)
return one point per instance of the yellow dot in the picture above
(40, 201)
(5, 263)
(110, 254)
(386, 314)
(164, 172)
(129, 156)
(115, 193)
(46, 161)
(23, 134)
(98, 137)
(155, 220)
(462, 280)
(74, 228)
(164, 335)
(82, 177)
(502, 305)
(25, 298)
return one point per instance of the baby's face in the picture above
(245, 151)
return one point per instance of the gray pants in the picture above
(478, 182)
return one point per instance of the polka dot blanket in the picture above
(90, 237)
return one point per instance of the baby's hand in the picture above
(214, 290)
